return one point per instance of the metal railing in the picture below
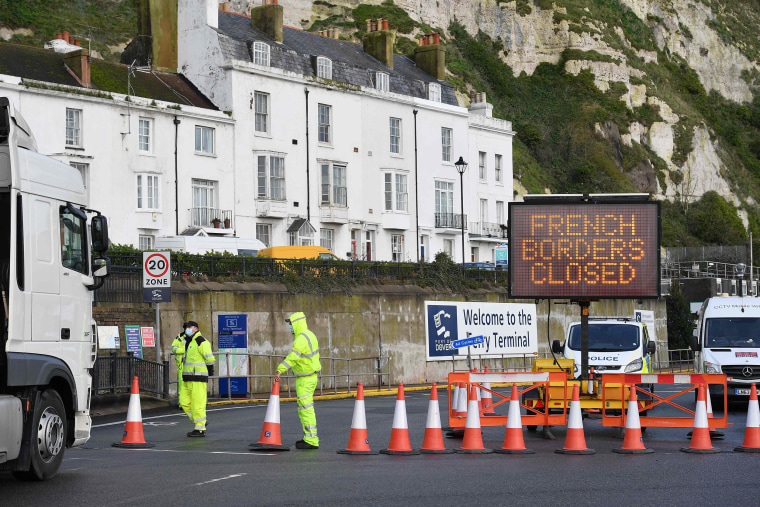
(705, 269)
(336, 374)
(113, 374)
(204, 217)
(450, 220)
(488, 229)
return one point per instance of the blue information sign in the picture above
(233, 338)
(134, 343)
(472, 340)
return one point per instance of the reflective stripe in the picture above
(306, 374)
(286, 364)
(195, 364)
(308, 340)
(199, 420)
(299, 318)
(310, 427)
(303, 396)
(308, 405)
(310, 434)
(305, 356)
(208, 356)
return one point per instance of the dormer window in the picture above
(324, 67)
(381, 81)
(261, 53)
(434, 92)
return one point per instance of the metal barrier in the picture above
(261, 368)
(535, 416)
(114, 374)
(616, 385)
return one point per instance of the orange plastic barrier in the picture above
(613, 384)
(523, 382)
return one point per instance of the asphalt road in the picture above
(219, 470)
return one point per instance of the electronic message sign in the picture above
(584, 250)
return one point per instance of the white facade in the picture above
(380, 172)
(118, 144)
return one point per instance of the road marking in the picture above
(206, 452)
(181, 414)
(233, 476)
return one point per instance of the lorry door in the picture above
(75, 299)
(44, 271)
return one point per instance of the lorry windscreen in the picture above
(733, 332)
(606, 337)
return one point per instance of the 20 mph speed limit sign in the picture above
(157, 277)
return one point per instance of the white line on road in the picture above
(233, 476)
(180, 414)
(206, 452)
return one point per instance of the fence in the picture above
(112, 374)
(125, 283)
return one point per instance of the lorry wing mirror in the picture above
(651, 347)
(694, 344)
(556, 347)
(101, 267)
(99, 234)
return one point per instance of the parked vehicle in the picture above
(479, 265)
(208, 244)
(297, 252)
(52, 257)
(727, 340)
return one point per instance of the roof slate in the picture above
(350, 64)
(28, 62)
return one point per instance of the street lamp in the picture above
(461, 166)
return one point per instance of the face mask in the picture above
(290, 326)
(189, 331)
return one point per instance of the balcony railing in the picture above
(488, 229)
(204, 217)
(450, 221)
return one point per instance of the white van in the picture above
(727, 340)
(207, 244)
(615, 344)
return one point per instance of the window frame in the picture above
(382, 81)
(84, 172)
(397, 137)
(435, 93)
(395, 192)
(74, 128)
(199, 148)
(261, 52)
(500, 212)
(149, 239)
(205, 213)
(324, 67)
(257, 114)
(498, 168)
(333, 192)
(326, 242)
(324, 129)
(482, 166)
(264, 232)
(397, 247)
(446, 148)
(444, 194)
(150, 194)
(273, 173)
(147, 138)
(78, 231)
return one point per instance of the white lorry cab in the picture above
(727, 340)
(615, 344)
(52, 256)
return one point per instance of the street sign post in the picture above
(157, 277)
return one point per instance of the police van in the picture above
(615, 344)
(727, 340)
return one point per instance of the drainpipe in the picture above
(416, 188)
(176, 178)
(308, 187)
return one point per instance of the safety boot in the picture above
(196, 434)
(305, 445)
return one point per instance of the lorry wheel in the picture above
(48, 438)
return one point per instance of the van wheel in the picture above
(48, 439)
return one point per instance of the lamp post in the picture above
(461, 166)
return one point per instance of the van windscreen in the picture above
(734, 332)
(606, 337)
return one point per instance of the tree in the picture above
(680, 325)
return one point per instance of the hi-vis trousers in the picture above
(305, 387)
(192, 399)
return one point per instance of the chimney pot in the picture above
(385, 24)
(77, 43)
(436, 36)
(59, 36)
(66, 36)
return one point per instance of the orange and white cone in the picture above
(714, 434)
(514, 443)
(432, 443)
(472, 443)
(752, 430)
(133, 429)
(270, 434)
(399, 444)
(462, 401)
(358, 442)
(633, 442)
(700, 438)
(454, 399)
(487, 398)
(575, 441)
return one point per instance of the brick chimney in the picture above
(430, 56)
(78, 62)
(268, 18)
(379, 40)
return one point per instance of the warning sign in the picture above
(157, 277)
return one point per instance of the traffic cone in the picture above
(358, 443)
(714, 434)
(752, 431)
(432, 443)
(575, 442)
(454, 398)
(462, 401)
(472, 443)
(487, 398)
(270, 434)
(700, 438)
(133, 430)
(514, 443)
(399, 444)
(633, 442)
